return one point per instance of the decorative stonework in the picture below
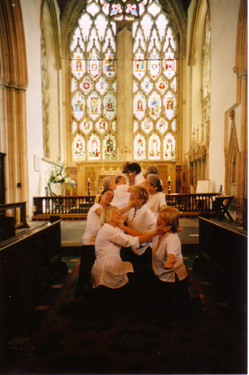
(45, 97)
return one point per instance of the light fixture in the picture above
(124, 10)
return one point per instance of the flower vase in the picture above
(57, 188)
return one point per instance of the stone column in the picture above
(125, 90)
(23, 156)
(12, 144)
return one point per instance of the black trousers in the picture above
(87, 260)
(174, 298)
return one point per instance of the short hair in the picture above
(155, 181)
(172, 217)
(134, 167)
(106, 183)
(118, 178)
(106, 215)
(141, 192)
(152, 169)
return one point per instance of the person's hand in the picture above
(168, 265)
(120, 224)
(163, 230)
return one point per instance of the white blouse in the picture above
(142, 220)
(155, 202)
(169, 244)
(92, 225)
(108, 268)
(139, 178)
(120, 199)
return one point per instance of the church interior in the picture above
(88, 87)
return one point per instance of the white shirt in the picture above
(155, 202)
(92, 225)
(120, 199)
(139, 178)
(123, 187)
(142, 220)
(108, 268)
(169, 244)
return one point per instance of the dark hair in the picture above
(125, 167)
(103, 192)
(134, 167)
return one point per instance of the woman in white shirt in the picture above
(169, 269)
(93, 224)
(140, 216)
(88, 250)
(157, 197)
(109, 272)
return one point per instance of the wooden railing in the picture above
(192, 204)
(16, 210)
(63, 206)
(78, 206)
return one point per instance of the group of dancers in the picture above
(132, 232)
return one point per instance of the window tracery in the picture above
(155, 87)
(93, 85)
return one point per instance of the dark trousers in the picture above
(174, 298)
(87, 260)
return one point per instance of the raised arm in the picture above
(130, 231)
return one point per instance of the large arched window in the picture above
(93, 85)
(154, 74)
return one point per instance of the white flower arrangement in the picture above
(58, 175)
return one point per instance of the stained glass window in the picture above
(154, 85)
(93, 85)
(121, 10)
(94, 82)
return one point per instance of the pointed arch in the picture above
(13, 84)
(195, 23)
(174, 10)
(55, 30)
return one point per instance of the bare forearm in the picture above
(147, 237)
(130, 231)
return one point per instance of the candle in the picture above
(89, 180)
(169, 179)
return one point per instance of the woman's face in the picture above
(112, 184)
(107, 197)
(122, 181)
(138, 202)
(116, 217)
(152, 189)
(161, 220)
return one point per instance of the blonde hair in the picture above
(141, 192)
(106, 215)
(172, 215)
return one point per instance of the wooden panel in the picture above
(29, 264)
(223, 258)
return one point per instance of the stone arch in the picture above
(55, 28)
(13, 84)
(194, 30)
(50, 67)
